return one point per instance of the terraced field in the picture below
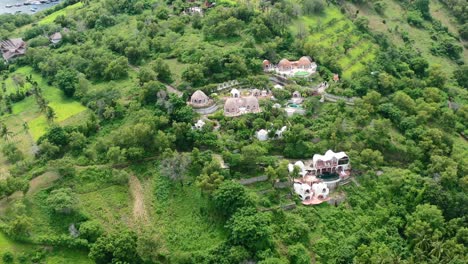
(396, 24)
(332, 29)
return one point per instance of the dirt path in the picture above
(136, 190)
(173, 90)
(42, 182)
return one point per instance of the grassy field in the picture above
(27, 110)
(395, 23)
(182, 217)
(60, 256)
(50, 18)
(177, 69)
(331, 29)
(110, 206)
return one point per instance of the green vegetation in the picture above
(100, 161)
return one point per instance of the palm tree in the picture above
(50, 113)
(4, 132)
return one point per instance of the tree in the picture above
(50, 114)
(298, 254)
(362, 23)
(150, 91)
(423, 226)
(250, 229)
(8, 257)
(12, 153)
(194, 74)
(251, 155)
(437, 77)
(209, 182)
(91, 230)
(62, 201)
(461, 75)
(311, 7)
(116, 69)
(117, 247)
(161, 68)
(175, 166)
(20, 226)
(146, 74)
(5, 133)
(150, 246)
(67, 80)
(229, 197)
(423, 7)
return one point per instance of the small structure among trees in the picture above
(55, 38)
(12, 48)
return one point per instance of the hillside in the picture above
(290, 131)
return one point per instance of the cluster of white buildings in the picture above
(310, 186)
(262, 134)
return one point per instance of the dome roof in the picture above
(231, 103)
(199, 95)
(304, 61)
(284, 63)
(251, 100)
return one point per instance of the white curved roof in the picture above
(235, 91)
(262, 132)
(329, 155)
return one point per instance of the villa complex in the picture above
(12, 48)
(237, 105)
(315, 182)
(304, 67)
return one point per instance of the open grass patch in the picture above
(183, 217)
(110, 206)
(28, 111)
(63, 12)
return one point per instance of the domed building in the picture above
(284, 65)
(231, 107)
(251, 104)
(304, 62)
(303, 67)
(199, 98)
(201, 103)
(266, 64)
(240, 106)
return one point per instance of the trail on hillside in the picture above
(136, 190)
(41, 182)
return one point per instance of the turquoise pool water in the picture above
(294, 106)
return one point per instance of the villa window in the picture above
(343, 161)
